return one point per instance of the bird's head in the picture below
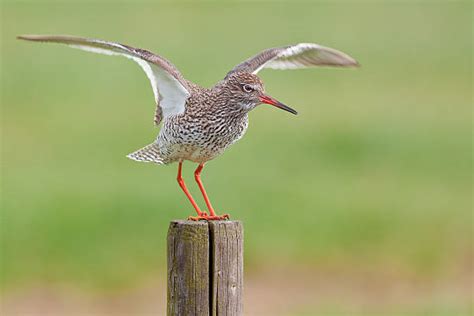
(247, 91)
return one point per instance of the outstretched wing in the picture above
(169, 87)
(297, 56)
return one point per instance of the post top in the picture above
(203, 223)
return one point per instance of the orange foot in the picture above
(203, 216)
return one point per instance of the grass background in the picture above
(375, 174)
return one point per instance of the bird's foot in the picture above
(204, 217)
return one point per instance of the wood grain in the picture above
(226, 259)
(188, 268)
(205, 268)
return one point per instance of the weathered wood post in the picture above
(205, 268)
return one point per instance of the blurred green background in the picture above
(367, 192)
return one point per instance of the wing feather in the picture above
(170, 89)
(303, 55)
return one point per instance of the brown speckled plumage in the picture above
(212, 121)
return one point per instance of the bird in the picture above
(199, 124)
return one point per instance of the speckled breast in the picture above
(198, 139)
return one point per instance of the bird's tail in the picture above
(150, 153)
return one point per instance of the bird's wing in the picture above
(297, 56)
(169, 87)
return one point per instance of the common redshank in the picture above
(200, 123)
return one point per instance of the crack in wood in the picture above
(205, 268)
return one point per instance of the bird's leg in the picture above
(185, 190)
(212, 215)
(197, 177)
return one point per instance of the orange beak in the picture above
(269, 100)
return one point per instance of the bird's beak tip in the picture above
(269, 100)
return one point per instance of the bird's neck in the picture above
(226, 106)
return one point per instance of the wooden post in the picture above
(205, 268)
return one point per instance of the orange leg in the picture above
(212, 215)
(185, 190)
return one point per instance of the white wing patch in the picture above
(94, 49)
(170, 95)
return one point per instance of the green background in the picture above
(372, 178)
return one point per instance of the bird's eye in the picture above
(247, 88)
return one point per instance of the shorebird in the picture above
(200, 123)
